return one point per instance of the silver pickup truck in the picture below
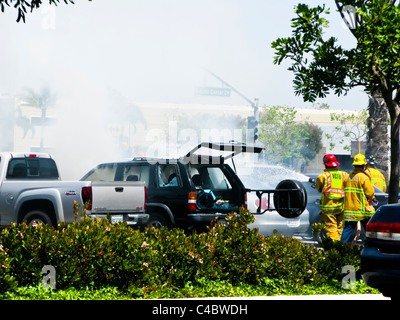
(31, 190)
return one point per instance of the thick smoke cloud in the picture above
(144, 52)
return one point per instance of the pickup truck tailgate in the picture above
(118, 197)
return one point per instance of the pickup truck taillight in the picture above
(192, 201)
(245, 200)
(87, 197)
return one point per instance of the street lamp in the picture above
(349, 16)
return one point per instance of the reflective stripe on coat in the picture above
(358, 190)
(377, 179)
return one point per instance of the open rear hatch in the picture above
(219, 151)
(289, 196)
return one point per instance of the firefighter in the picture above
(330, 184)
(358, 197)
(377, 178)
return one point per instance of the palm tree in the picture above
(125, 114)
(377, 137)
(42, 100)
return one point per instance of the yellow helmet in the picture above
(359, 160)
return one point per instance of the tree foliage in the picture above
(352, 126)
(22, 6)
(42, 99)
(285, 140)
(321, 65)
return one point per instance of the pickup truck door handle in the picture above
(119, 189)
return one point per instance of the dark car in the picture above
(380, 257)
(193, 190)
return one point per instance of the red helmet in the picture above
(330, 161)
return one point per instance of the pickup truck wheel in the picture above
(157, 221)
(39, 216)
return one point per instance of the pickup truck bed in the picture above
(31, 190)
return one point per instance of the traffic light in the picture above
(252, 124)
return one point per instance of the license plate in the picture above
(117, 218)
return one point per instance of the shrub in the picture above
(7, 280)
(96, 253)
(337, 255)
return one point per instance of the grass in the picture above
(203, 288)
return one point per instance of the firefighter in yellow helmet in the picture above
(377, 178)
(330, 184)
(358, 196)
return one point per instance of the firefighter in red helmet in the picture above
(330, 184)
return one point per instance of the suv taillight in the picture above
(87, 196)
(192, 201)
(245, 200)
(383, 231)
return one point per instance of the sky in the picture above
(158, 50)
(150, 51)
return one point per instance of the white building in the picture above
(157, 133)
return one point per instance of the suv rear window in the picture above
(119, 172)
(32, 168)
(133, 172)
(211, 177)
(167, 175)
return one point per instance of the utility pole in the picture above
(252, 122)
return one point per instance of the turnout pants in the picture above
(333, 225)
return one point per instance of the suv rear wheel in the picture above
(157, 221)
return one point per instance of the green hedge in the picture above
(95, 253)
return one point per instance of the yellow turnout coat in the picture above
(358, 191)
(330, 184)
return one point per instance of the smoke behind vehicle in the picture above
(101, 58)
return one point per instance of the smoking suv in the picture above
(193, 190)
